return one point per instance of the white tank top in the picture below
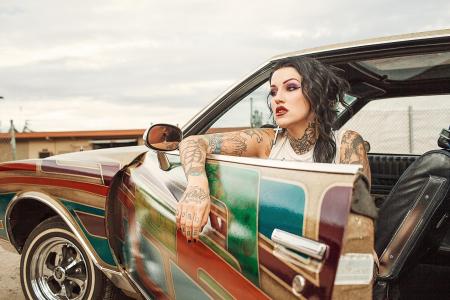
(282, 150)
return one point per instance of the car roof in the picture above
(371, 42)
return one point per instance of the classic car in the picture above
(101, 224)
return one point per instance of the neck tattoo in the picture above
(306, 142)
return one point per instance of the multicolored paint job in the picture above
(5, 199)
(235, 258)
(80, 187)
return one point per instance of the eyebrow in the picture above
(290, 79)
(272, 85)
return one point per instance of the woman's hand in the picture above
(193, 211)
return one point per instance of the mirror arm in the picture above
(163, 161)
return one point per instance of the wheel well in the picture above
(24, 217)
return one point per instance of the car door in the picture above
(275, 229)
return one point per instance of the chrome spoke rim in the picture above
(58, 270)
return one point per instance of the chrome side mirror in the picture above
(163, 137)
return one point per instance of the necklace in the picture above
(306, 142)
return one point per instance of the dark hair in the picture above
(323, 89)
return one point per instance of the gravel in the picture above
(9, 276)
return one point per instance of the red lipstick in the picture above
(280, 110)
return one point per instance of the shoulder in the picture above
(350, 136)
(352, 144)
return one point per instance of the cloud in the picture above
(171, 56)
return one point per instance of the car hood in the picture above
(120, 155)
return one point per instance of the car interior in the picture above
(411, 190)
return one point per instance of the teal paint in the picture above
(153, 263)
(4, 201)
(100, 245)
(71, 206)
(186, 288)
(238, 188)
(282, 206)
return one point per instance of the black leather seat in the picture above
(414, 218)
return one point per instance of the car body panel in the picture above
(248, 202)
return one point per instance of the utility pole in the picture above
(13, 139)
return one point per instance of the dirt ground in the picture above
(9, 276)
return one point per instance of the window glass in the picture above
(252, 111)
(413, 67)
(402, 125)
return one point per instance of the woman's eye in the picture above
(273, 93)
(292, 87)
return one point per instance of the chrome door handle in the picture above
(299, 244)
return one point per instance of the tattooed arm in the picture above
(193, 208)
(353, 152)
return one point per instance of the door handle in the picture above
(299, 244)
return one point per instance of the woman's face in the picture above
(290, 107)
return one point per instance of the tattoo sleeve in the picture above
(249, 142)
(353, 152)
(193, 156)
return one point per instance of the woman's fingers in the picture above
(189, 220)
(192, 212)
(183, 219)
(178, 215)
(196, 225)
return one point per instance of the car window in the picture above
(250, 112)
(402, 125)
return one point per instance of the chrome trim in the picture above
(298, 284)
(110, 272)
(141, 290)
(119, 280)
(163, 161)
(300, 244)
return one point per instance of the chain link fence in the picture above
(408, 127)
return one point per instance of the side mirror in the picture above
(163, 137)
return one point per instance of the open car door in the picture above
(276, 229)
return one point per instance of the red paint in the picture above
(333, 219)
(82, 186)
(192, 256)
(95, 225)
(29, 166)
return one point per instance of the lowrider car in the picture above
(101, 224)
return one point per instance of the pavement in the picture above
(9, 276)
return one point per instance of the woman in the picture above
(303, 97)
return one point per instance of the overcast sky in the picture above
(84, 65)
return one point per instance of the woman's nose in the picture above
(278, 100)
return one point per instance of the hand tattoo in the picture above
(195, 195)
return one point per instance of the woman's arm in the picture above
(352, 151)
(193, 208)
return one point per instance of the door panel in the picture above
(235, 257)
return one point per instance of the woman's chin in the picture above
(281, 123)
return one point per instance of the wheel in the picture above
(55, 266)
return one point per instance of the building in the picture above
(44, 144)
